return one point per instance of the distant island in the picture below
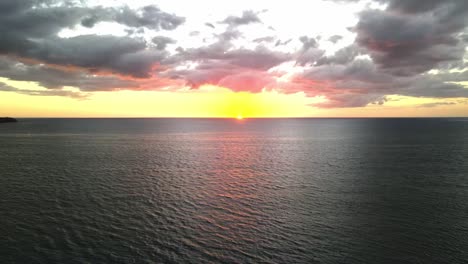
(7, 120)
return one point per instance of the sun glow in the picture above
(206, 101)
(239, 117)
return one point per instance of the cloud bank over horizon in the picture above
(351, 53)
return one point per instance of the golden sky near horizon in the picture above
(208, 101)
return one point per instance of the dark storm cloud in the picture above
(248, 17)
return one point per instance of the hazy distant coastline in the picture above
(7, 120)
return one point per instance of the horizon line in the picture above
(208, 117)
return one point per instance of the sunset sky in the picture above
(208, 58)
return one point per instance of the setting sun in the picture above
(239, 117)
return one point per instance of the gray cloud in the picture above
(361, 82)
(98, 53)
(407, 45)
(66, 93)
(247, 17)
(335, 38)
(162, 41)
(265, 39)
(57, 78)
(342, 56)
(222, 64)
(260, 58)
(149, 16)
(29, 29)
(403, 41)
(437, 104)
(309, 52)
(224, 73)
(281, 43)
(418, 6)
(209, 25)
(236, 69)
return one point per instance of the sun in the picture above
(239, 117)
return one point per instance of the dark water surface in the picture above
(219, 190)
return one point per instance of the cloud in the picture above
(223, 74)
(97, 53)
(29, 18)
(408, 44)
(335, 38)
(342, 56)
(309, 53)
(237, 69)
(394, 49)
(248, 17)
(57, 78)
(250, 80)
(59, 92)
(419, 6)
(403, 41)
(162, 41)
(437, 104)
(282, 43)
(30, 31)
(361, 82)
(223, 51)
(209, 25)
(265, 39)
(149, 16)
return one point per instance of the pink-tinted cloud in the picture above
(393, 51)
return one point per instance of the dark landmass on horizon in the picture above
(7, 120)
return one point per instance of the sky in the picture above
(208, 58)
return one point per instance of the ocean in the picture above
(234, 191)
